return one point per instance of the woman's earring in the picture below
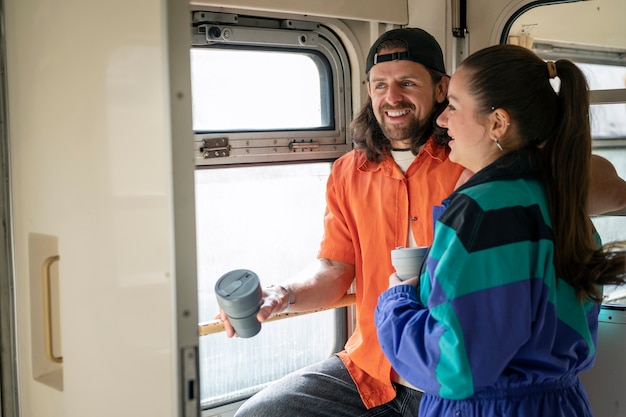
(498, 144)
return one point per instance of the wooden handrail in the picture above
(216, 326)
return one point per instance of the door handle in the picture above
(47, 309)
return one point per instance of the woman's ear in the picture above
(500, 123)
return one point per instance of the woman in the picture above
(506, 315)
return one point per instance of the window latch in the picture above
(304, 146)
(214, 148)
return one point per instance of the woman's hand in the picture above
(394, 280)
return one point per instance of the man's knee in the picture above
(264, 404)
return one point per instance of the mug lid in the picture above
(237, 283)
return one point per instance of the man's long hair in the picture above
(367, 134)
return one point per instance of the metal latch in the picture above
(215, 148)
(304, 146)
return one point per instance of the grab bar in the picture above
(216, 326)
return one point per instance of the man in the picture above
(384, 194)
(372, 207)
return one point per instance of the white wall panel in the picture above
(597, 22)
(91, 165)
(389, 11)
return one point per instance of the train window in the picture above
(269, 113)
(267, 90)
(599, 50)
(612, 227)
(608, 120)
(282, 92)
(267, 219)
(606, 77)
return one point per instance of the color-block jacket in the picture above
(493, 330)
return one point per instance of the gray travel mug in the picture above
(408, 261)
(239, 295)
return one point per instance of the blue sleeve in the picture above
(463, 340)
(424, 346)
(404, 326)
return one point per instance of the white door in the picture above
(102, 208)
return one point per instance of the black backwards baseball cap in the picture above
(421, 47)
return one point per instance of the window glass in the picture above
(268, 219)
(607, 120)
(245, 90)
(612, 228)
(604, 77)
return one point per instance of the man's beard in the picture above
(396, 133)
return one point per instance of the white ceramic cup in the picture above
(408, 261)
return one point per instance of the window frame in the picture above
(600, 145)
(278, 147)
(591, 55)
(288, 35)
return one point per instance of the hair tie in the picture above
(551, 69)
